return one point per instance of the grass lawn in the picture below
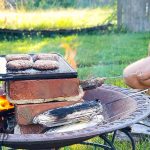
(101, 55)
(120, 145)
(54, 18)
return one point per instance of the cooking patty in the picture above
(45, 57)
(46, 65)
(19, 64)
(12, 57)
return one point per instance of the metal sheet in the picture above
(64, 71)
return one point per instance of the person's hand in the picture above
(137, 74)
(144, 78)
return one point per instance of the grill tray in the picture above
(64, 71)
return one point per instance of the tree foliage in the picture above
(46, 4)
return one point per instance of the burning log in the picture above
(68, 115)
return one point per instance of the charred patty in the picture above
(12, 57)
(46, 65)
(45, 57)
(19, 64)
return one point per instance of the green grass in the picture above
(97, 55)
(54, 18)
(142, 144)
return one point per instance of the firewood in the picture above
(71, 114)
(91, 83)
(96, 120)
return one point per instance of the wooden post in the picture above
(119, 14)
(135, 14)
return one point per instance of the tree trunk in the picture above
(119, 13)
(135, 15)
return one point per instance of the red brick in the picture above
(26, 113)
(31, 129)
(42, 89)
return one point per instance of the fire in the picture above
(70, 54)
(4, 104)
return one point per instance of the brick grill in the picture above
(33, 91)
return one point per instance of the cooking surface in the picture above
(64, 71)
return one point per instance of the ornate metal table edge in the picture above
(109, 143)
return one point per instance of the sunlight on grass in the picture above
(22, 46)
(54, 19)
(97, 49)
(37, 45)
(33, 47)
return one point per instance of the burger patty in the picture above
(12, 57)
(45, 57)
(19, 64)
(46, 65)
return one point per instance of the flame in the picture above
(70, 54)
(4, 103)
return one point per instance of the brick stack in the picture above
(33, 97)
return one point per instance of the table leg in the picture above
(127, 132)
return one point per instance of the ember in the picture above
(4, 104)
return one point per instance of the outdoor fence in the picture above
(134, 15)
